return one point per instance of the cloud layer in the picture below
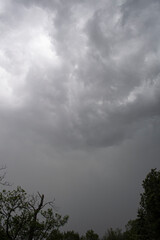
(87, 75)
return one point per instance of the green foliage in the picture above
(147, 224)
(55, 235)
(3, 235)
(133, 230)
(91, 235)
(25, 217)
(113, 234)
(149, 211)
(70, 235)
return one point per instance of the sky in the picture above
(80, 104)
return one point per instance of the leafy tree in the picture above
(25, 217)
(71, 235)
(113, 234)
(133, 230)
(3, 236)
(55, 235)
(91, 235)
(147, 224)
(149, 211)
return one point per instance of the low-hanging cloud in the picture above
(86, 76)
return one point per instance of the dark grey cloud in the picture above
(79, 103)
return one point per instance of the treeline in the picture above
(29, 217)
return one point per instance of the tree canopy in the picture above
(24, 216)
(147, 224)
(30, 217)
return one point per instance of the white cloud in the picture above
(25, 44)
(82, 66)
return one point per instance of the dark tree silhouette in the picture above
(27, 217)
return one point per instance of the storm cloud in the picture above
(80, 103)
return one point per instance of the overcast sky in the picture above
(80, 103)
